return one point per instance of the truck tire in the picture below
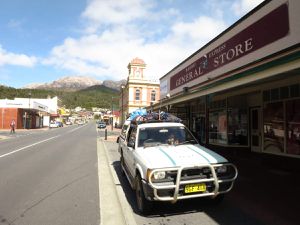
(218, 199)
(144, 206)
(122, 163)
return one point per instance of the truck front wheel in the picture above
(144, 206)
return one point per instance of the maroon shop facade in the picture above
(240, 93)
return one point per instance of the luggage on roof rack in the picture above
(154, 117)
(137, 112)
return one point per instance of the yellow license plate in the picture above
(191, 188)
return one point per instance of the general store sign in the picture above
(268, 29)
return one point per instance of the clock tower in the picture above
(136, 69)
(138, 92)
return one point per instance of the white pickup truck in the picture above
(164, 162)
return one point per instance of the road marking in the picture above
(70, 131)
(28, 146)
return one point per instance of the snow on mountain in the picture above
(67, 83)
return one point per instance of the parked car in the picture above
(101, 125)
(80, 122)
(68, 122)
(164, 162)
(60, 124)
(53, 124)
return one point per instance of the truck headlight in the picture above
(221, 169)
(159, 175)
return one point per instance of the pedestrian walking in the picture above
(12, 126)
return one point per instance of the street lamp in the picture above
(29, 98)
(29, 119)
(112, 113)
(122, 93)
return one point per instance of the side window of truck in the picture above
(132, 134)
(124, 129)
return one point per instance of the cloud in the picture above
(108, 54)
(241, 7)
(116, 35)
(15, 24)
(101, 13)
(201, 30)
(8, 58)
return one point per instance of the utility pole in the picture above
(29, 119)
(112, 113)
(122, 92)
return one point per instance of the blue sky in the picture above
(44, 40)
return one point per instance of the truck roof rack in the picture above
(154, 117)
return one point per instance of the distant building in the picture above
(78, 109)
(27, 112)
(139, 92)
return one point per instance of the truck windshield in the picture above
(152, 136)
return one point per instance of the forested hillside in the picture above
(95, 96)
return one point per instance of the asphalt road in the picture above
(50, 177)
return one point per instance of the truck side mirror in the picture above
(131, 144)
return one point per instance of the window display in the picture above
(273, 127)
(237, 126)
(218, 127)
(293, 126)
(237, 120)
(198, 119)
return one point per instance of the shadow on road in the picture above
(225, 213)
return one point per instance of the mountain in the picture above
(94, 96)
(75, 83)
(72, 83)
(116, 85)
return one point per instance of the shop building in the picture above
(28, 113)
(241, 91)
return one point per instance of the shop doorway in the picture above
(255, 129)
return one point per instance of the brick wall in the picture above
(7, 115)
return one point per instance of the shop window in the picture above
(217, 104)
(237, 126)
(237, 120)
(198, 120)
(292, 91)
(284, 92)
(293, 126)
(181, 112)
(273, 127)
(266, 95)
(198, 126)
(275, 94)
(218, 127)
(295, 90)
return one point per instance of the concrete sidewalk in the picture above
(114, 208)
